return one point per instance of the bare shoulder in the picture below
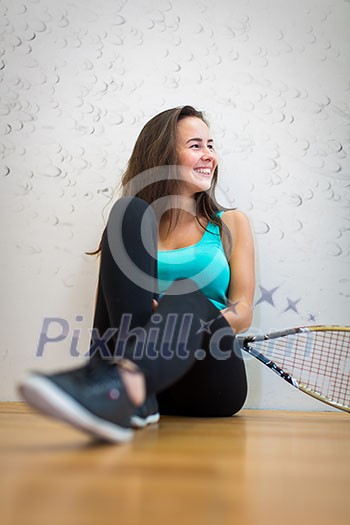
(241, 232)
(236, 221)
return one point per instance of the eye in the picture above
(211, 146)
(194, 146)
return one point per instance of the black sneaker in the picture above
(93, 399)
(146, 413)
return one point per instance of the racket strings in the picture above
(318, 360)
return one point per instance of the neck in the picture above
(186, 208)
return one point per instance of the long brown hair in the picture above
(154, 154)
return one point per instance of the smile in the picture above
(203, 171)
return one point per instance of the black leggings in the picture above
(195, 368)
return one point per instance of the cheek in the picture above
(187, 158)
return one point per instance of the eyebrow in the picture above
(198, 139)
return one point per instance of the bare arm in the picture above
(242, 285)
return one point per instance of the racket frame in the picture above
(247, 341)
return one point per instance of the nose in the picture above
(208, 153)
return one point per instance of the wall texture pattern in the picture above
(79, 78)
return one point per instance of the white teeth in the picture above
(206, 171)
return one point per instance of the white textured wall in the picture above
(79, 79)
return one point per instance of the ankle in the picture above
(134, 381)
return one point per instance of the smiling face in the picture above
(196, 155)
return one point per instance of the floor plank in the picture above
(255, 468)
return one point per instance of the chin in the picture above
(200, 188)
(205, 187)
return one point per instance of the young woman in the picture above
(176, 283)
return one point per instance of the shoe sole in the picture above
(140, 422)
(48, 398)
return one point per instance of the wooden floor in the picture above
(257, 468)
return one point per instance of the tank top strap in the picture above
(214, 228)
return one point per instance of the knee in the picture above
(131, 203)
(134, 211)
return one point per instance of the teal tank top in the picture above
(204, 262)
